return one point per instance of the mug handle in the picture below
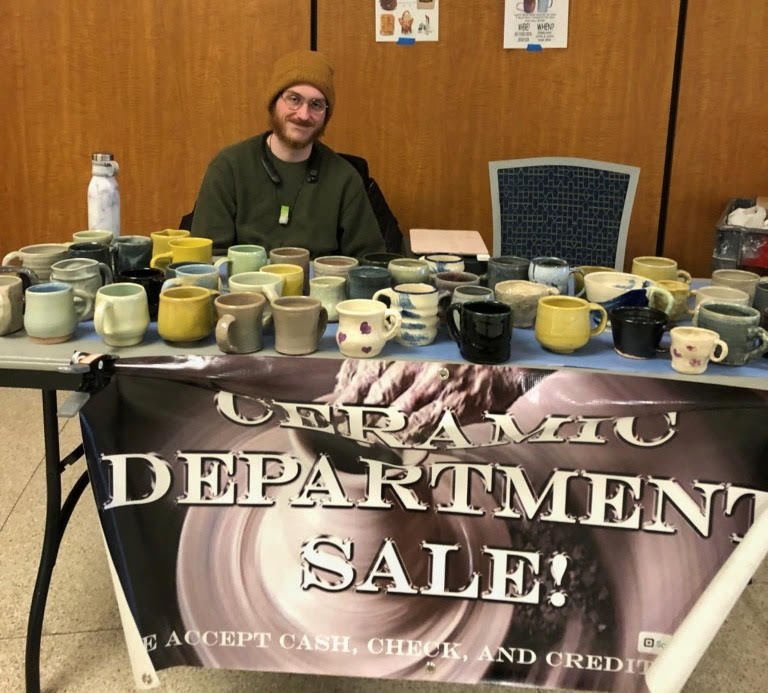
(5, 313)
(106, 274)
(85, 306)
(669, 299)
(222, 332)
(761, 334)
(691, 295)
(683, 276)
(227, 270)
(393, 319)
(101, 317)
(723, 351)
(603, 319)
(453, 323)
(161, 260)
(576, 270)
(15, 255)
(388, 294)
(171, 283)
(322, 322)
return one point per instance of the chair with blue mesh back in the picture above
(576, 209)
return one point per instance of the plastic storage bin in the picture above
(740, 247)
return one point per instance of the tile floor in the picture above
(83, 647)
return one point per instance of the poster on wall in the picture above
(406, 21)
(536, 24)
(416, 520)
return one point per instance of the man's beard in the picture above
(279, 129)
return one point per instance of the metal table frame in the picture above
(50, 377)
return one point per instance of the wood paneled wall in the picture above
(429, 117)
(162, 84)
(721, 139)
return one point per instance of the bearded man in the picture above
(284, 187)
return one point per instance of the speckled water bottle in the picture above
(104, 194)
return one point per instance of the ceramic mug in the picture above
(365, 326)
(578, 279)
(680, 291)
(38, 258)
(183, 249)
(50, 314)
(161, 239)
(105, 237)
(522, 296)
(505, 267)
(291, 255)
(482, 329)
(91, 250)
(364, 281)
(379, 259)
(692, 348)
(738, 326)
(269, 285)
(333, 265)
(82, 273)
(408, 270)
(239, 327)
(11, 304)
(152, 282)
(185, 314)
(122, 314)
(292, 275)
(615, 289)
(196, 274)
(131, 252)
(418, 305)
(330, 291)
(463, 294)
(761, 296)
(736, 279)
(27, 276)
(243, 258)
(300, 321)
(553, 271)
(658, 268)
(443, 262)
(563, 323)
(717, 294)
(637, 331)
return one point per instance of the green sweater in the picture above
(238, 203)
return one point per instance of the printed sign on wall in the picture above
(536, 24)
(406, 21)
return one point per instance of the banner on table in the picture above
(417, 520)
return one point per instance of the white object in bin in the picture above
(751, 217)
(104, 194)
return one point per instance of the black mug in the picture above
(379, 259)
(637, 330)
(131, 252)
(152, 281)
(366, 280)
(92, 250)
(484, 330)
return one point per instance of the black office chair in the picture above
(390, 230)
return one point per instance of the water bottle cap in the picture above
(102, 156)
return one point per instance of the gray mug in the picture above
(505, 267)
(364, 281)
(738, 327)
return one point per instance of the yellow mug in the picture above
(160, 239)
(658, 268)
(563, 323)
(293, 277)
(186, 313)
(184, 250)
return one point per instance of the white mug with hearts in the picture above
(365, 326)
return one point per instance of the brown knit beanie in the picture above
(302, 67)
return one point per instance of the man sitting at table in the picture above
(283, 187)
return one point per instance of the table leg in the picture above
(56, 518)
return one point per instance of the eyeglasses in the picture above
(295, 101)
